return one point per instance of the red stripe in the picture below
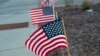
(33, 14)
(34, 39)
(36, 9)
(41, 14)
(53, 45)
(33, 11)
(38, 17)
(55, 49)
(42, 17)
(31, 36)
(43, 22)
(37, 42)
(26, 42)
(50, 42)
(36, 13)
(40, 44)
(45, 19)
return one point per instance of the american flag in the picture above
(52, 1)
(47, 39)
(44, 3)
(41, 15)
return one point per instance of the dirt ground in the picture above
(83, 31)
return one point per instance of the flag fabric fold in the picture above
(47, 38)
(42, 15)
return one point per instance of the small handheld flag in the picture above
(45, 3)
(47, 39)
(42, 15)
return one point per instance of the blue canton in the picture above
(48, 11)
(53, 28)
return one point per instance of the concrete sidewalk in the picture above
(12, 41)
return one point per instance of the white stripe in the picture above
(62, 44)
(51, 44)
(45, 19)
(36, 15)
(33, 36)
(45, 16)
(33, 42)
(33, 10)
(38, 42)
(42, 21)
(49, 41)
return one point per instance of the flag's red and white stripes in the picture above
(41, 45)
(38, 16)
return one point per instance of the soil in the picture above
(83, 31)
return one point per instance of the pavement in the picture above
(12, 40)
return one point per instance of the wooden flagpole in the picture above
(56, 14)
(54, 11)
(68, 50)
(64, 33)
(61, 51)
(56, 17)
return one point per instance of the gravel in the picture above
(83, 31)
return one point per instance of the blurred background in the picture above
(17, 11)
